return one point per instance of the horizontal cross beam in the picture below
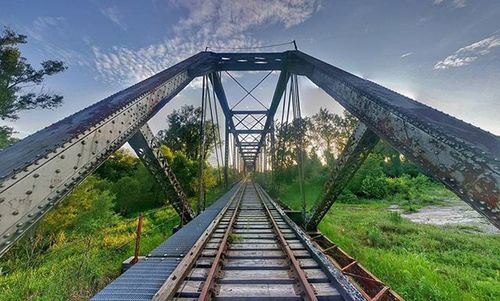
(250, 112)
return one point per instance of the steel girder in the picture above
(463, 157)
(278, 94)
(38, 171)
(148, 149)
(357, 149)
(41, 169)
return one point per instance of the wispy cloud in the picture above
(406, 54)
(113, 14)
(218, 23)
(468, 54)
(455, 3)
(126, 66)
(43, 23)
(224, 18)
(43, 29)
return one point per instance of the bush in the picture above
(347, 197)
(372, 167)
(374, 187)
(407, 186)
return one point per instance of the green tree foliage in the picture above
(330, 131)
(120, 164)
(6, 138)
(186, 170)
(16, 75)
(132, 184)
(183, 132)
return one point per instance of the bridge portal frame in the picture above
(37, 172)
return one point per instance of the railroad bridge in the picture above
(245, 246)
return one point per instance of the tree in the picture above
(6, 138)
(344, 127)
(183, 132)
(18, 77)
(331, 131)
(323, 132)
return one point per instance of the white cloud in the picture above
(113, 14)
(43, 30)
(406, 54)
(224, 18)
(215, 23)
(41, 23)
(468, 54)
(455, 3)
(127, 66)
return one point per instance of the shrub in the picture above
(347, 197)
(374, 187)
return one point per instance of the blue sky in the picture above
(444, 53)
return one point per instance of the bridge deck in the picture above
(251, 252)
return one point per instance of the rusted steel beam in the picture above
(37, 172)
(368, 284)
(308, 290)
(148, 149)
(463, 157)
(357, 149)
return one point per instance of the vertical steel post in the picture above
(273, 155)
(226, 154)
(201, 186)
(138, 235)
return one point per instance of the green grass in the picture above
(77, 266)
(420, 262)
(74, 263)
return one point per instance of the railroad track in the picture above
(249, 253)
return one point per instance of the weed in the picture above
(395, 217)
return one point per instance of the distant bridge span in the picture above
(37, 172)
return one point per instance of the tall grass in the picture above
(420, 262)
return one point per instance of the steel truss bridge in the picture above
(273, 257)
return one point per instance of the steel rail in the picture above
(210, 280)
(307, 287)
(170, 286)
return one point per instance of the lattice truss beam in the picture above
(40, 170)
